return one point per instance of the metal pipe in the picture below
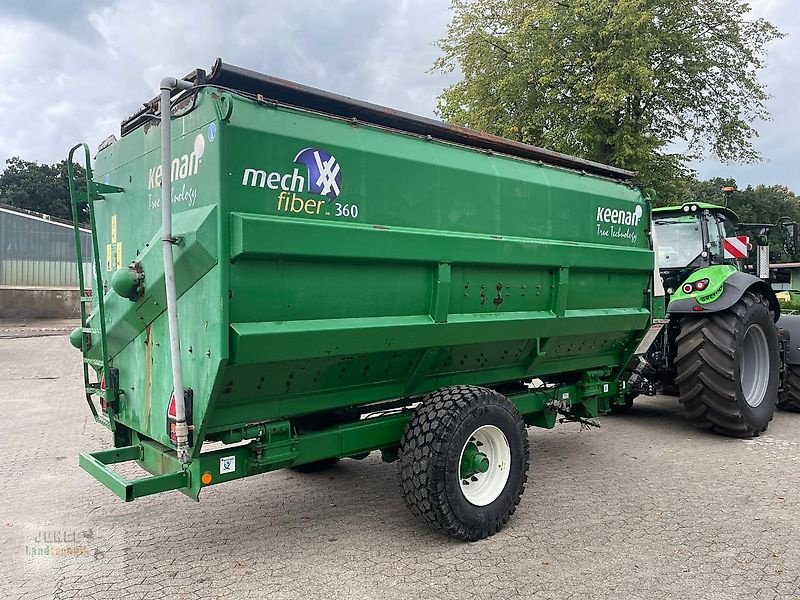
(181, 429)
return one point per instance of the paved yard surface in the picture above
(643, 508)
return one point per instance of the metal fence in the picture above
(39, 251)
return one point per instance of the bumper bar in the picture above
(97, 465)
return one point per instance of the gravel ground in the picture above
(644, 507)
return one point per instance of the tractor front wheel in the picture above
(728, 368)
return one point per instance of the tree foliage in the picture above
(40, 187)
(617, 81)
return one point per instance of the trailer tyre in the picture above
(464, 461)
(728, 368)
(790, 397)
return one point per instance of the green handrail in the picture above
(93, 190)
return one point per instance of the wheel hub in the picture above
(473, 461)
(485, 465)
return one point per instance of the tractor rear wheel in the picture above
(727, 368)
(790, 398)
(464, 461)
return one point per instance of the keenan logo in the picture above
(619, 217)
(619, 224)
(182, 167)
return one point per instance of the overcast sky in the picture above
(72, 70)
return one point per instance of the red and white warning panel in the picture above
(736, 247)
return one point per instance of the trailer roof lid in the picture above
(302, 96)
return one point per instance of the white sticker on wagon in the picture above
(227, 464)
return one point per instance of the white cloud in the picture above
(72, 71)
(62, 86)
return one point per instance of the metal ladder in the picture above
(93, 192)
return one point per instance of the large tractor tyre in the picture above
(728, 368)
(317, 466)
(464, 461)
(790, 397)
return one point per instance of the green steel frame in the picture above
(277, 445)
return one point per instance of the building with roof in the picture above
(38, 264)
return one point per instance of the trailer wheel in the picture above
(727, 366)
(790, 397)
(464, 461)
(316, 466)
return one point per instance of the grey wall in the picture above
(41, 253)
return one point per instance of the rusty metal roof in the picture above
(281, 91)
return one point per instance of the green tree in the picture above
(616, 81)
(753, 204)
(41, 188)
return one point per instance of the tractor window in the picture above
(714, 239)
(726, 229)
(679, 241)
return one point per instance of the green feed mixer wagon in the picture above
(284, 277)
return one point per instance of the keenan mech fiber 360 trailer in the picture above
(329, 278)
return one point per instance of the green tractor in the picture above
(723, 348)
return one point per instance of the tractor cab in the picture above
(691, 237)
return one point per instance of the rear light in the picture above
(172, 415)
(697, 286)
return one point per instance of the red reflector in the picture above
(171, 410)
(687, 288)
(697, 308)
(172, 415)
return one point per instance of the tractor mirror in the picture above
(790, 237)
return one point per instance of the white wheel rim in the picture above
(481, 489)
(754, 371)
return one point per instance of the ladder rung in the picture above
(93, 361)
(86, 298)
(103, 421)
(95, 391)
(90, 330)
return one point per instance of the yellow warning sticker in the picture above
(119, 255)
(109, 257)
(113, 229)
